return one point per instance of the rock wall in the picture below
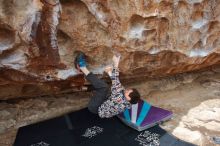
(38, 40)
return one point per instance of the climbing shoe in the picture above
(80, 60)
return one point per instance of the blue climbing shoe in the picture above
(80, 60)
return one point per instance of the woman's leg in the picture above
(100, 92)
(100, 87)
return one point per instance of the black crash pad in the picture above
(82, 128)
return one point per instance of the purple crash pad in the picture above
(143, 115)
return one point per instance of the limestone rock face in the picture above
(38, 40)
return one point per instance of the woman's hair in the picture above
(135, 96)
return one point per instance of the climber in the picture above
(104, 104)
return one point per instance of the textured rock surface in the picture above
(194, 98)
(38, 39)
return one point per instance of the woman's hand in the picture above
(116, 59)
(108, 70)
